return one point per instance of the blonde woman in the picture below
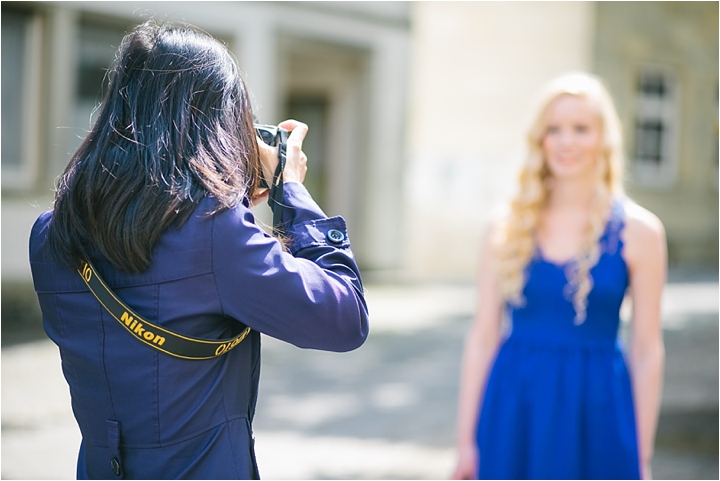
(554, 398)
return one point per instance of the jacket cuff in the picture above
(331, 232)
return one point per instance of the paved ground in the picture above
(387, 410)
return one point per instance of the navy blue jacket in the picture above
(145, 414)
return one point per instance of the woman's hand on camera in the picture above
(296, 161)
(296, 165)
(268, 160)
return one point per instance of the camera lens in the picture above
(268, 134)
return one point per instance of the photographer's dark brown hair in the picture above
(175, 124)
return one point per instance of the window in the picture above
(21, 32)
(313, 110)
(98, 43)
(656, 129)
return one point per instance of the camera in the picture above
(272, 135)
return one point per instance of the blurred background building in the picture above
(340, 67)
(417, 112)
(475, 70)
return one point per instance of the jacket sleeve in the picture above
(311, 296)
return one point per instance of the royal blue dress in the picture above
(558, 402)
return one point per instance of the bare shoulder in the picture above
(642, 223)
(644, 235)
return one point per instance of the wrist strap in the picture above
(160, 338)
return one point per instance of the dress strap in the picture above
(610, 241)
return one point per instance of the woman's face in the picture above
(573, 137)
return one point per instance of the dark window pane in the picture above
(14, 29)
(90, 80)
(98, 43)
(653, 84)
(312, 110)
(649, 140)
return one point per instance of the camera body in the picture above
(275, 137)
(272, 135)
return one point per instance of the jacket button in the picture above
(335, 236)
(115, 465)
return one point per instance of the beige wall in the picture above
(683, 38)
(475, 68)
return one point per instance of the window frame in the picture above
(715, 159)
(24, 177)
(665, 111)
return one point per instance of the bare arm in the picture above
(481, 345)
(647, 262)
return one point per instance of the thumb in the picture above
(298, 130)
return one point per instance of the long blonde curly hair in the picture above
(515, 241)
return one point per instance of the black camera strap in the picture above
(275, 197)
(160, 338)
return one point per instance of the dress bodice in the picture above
(548, 314)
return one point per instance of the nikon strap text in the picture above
(160, 338)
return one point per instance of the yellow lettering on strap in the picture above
(169, 342)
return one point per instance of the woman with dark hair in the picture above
(155, 203)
